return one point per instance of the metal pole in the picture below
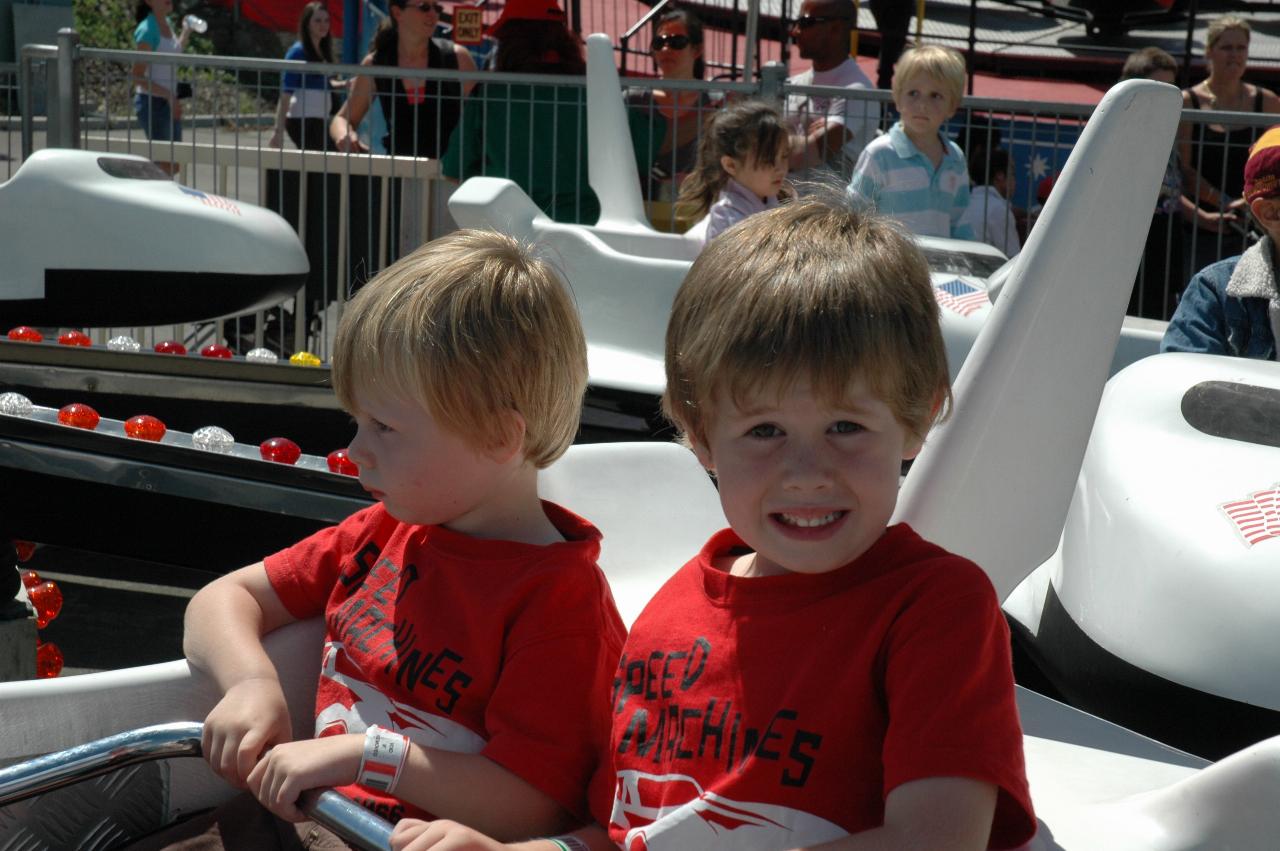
(772, 76)
(753, 27)
(973, 41)
(1186, 51)
(351, 31)
(27, 105)
(68, 89)
(575, 16)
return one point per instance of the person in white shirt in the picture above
(989, 213)
(828, 133)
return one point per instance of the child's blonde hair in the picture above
(472, 326)
(752, 132)
(810, 290)
(943, 64)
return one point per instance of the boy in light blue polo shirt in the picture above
(913, 173)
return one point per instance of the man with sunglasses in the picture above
(828, 133)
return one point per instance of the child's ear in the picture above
(511, 438)
(1267, 213)
(701, 452)
(729, 164)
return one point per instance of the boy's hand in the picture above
(416, 835)
(251, 718)
(290, 769)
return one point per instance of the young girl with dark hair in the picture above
(742, 166)
(305, 99)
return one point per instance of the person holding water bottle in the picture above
(156, 98)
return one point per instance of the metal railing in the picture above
(50, 772)
(356, 213)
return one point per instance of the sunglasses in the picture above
(671, 42)
(805, 21)
(424, 8)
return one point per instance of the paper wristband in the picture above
(385, 754)
(568, 843)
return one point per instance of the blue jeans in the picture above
(156, 118)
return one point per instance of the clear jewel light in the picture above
(261, 356)
(124, 343)
(213, 439)
(14, 404)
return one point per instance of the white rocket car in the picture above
(130, 247)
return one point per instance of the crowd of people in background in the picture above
(707, 159)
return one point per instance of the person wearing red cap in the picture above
(1232, 307)
(534, 135)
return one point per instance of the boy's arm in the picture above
(223, 630)
(934, 813)
(471, 788)
(415, 835)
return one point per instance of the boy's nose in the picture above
(806, 468)
(355, 451)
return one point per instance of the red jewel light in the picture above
(170, 347)
(25, 334)
(25, 550)
(75, 338)
(213, 350)
(282, 450)
(48, 660)
(340, 462)
(78, 415)
(46, 599)
(144, 427)
(30, 579)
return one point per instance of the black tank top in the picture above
(1220, 155)
(419, 129)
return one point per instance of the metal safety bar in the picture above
(53, 771)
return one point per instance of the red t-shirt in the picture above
(468, 645)
(780, 711)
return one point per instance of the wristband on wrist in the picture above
(568, 843)
(385, 754)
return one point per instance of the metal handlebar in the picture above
(53, 771)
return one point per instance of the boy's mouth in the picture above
(812, 522)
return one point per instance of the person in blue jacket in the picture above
(1232, 307)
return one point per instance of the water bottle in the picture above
(196, 24)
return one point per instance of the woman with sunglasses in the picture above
(673, 117)
(420, 114)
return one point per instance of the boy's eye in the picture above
(378, 425)
(846, 427)
(764, 430)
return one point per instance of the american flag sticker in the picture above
(215, 201)
(964, 299)
(1257, 516)
(378, 775)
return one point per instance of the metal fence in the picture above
(358, 212)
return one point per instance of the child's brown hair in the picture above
(808, 290)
